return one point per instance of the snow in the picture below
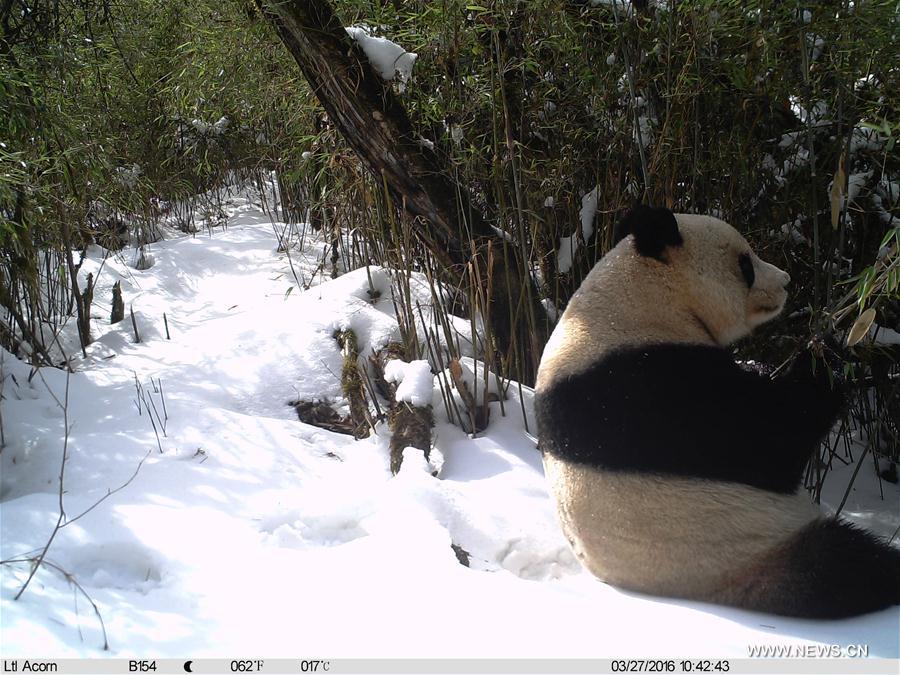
(624, 6)
(127, 176)
(243, 531)
(588, 211)
(817, 116)
(793, 232)
(883, 335)
(886, 196)
(889, 190)
(864, 138)
(568, 245)
(416, 383)
(388, 58)
(643, 131)
(565, 253)
(855, 183)
(817, 45)
(217, 128)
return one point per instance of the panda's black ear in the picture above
(653, 230)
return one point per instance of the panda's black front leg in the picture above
(817, 390)
(805, 402)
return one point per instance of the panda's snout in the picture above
(774, 277)
(770, 291)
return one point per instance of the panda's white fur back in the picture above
(675, 473)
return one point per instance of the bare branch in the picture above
(62, 510)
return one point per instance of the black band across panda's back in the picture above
(685, 410)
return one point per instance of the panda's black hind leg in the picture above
(829, 570)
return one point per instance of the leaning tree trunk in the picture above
(375, 125)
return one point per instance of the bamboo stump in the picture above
(410, 425)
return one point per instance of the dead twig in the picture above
(62, 509)
(70, 578)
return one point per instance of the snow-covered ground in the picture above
(247, 532)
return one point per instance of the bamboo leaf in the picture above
(837, 193)
(865, 286)
(861, 326)
(893, 233)
(893, 282)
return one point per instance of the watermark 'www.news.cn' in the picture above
(806, 651)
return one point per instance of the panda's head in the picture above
(709, 266)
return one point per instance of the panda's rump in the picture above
(665, 535)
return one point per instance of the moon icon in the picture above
(187, 666)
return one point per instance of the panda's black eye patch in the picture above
(746, 266)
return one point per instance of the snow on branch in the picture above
(388, 58)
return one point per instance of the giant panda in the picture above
(675, 471)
